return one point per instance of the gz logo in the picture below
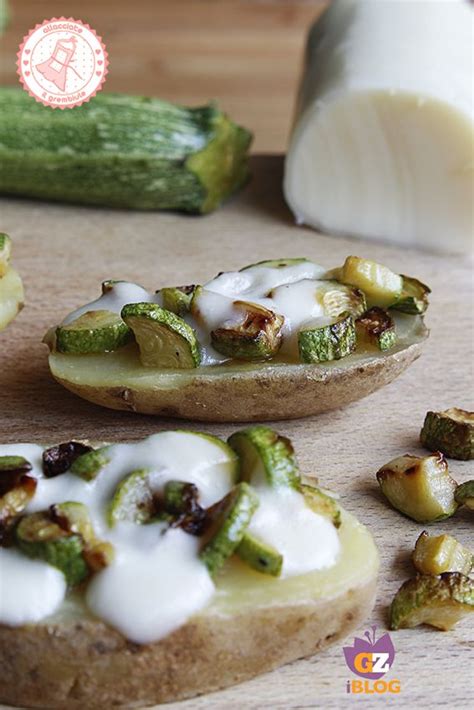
(371, 659)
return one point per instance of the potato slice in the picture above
(237, 392)
(12, 296)
(255, 623)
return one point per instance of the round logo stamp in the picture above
(62, 62)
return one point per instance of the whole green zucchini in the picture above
(4, 15)
(121, 151)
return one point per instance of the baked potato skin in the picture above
(84, 663)
(267, 395)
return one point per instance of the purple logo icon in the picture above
(369, 657)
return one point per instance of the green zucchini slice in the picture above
(320, 343)
(440, 601)
(165, 340)
(177, 299)
(376, 327)
(89, 465)
(464, 494)
(64, 537)
(134, 499)
(265, 457)
(258, 337)
(381, 286)
(322, 503)
(93, 332)
(451, 432)
(230, 518)
(259, 555)
(337, 299)
(413, 298)
(180, 497)
(74, 518)
(59, 459)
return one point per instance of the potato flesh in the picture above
(123, 368)
(241, 589)
(383, 133)
(11, 296)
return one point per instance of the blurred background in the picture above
(246, 54)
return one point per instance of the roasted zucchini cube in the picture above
(420, 488)
(450, 431)
(376, 327)
(440, 601)
(59, 459)
(464, 494)
(64, 537)
(17, 488)
(442, 553)
(90, 464)
(37, 536)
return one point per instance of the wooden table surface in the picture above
(246, 54)
(65, 252)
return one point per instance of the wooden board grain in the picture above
(65, 252)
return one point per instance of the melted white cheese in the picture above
(291, 291)
(120, 294)
(29, 589)
(306, 540)
(148, 594)
(156, 581)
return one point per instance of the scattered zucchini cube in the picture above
(420, 488)
(464, 494)
(440, 601)
(442, 553)
(450, 431)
